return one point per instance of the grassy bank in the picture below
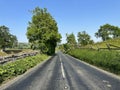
(97, 45)
(15, 51)
(108, 60)
(2, 53)
(13, 69)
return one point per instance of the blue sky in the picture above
(71, 15)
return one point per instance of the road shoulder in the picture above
(23, 76)
(97, 68)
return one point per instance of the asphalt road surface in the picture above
(63, 72)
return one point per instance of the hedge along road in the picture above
(63, 72)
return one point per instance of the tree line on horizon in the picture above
(105, 32)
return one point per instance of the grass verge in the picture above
(108, 60)
(13, 69)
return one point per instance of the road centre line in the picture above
(63, 73)
(60, 59)
(62, 69)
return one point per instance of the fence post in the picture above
(108, 46)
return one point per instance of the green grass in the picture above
(97, 45)
(13, 69)
(108, 60)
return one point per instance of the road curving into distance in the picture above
(63, 72)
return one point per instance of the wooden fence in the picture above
(109, 47)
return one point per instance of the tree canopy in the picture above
(71, 41)
(108, 31)
(84, 38)
(42, 31)
(6, 38)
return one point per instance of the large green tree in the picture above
(42, 31)
(6, 38)
(84, 38)
(108, 31)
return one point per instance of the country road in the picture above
(63, 72)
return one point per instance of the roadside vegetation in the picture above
(99, 54)
(104, 54)
(13, 69)
(108, 60)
